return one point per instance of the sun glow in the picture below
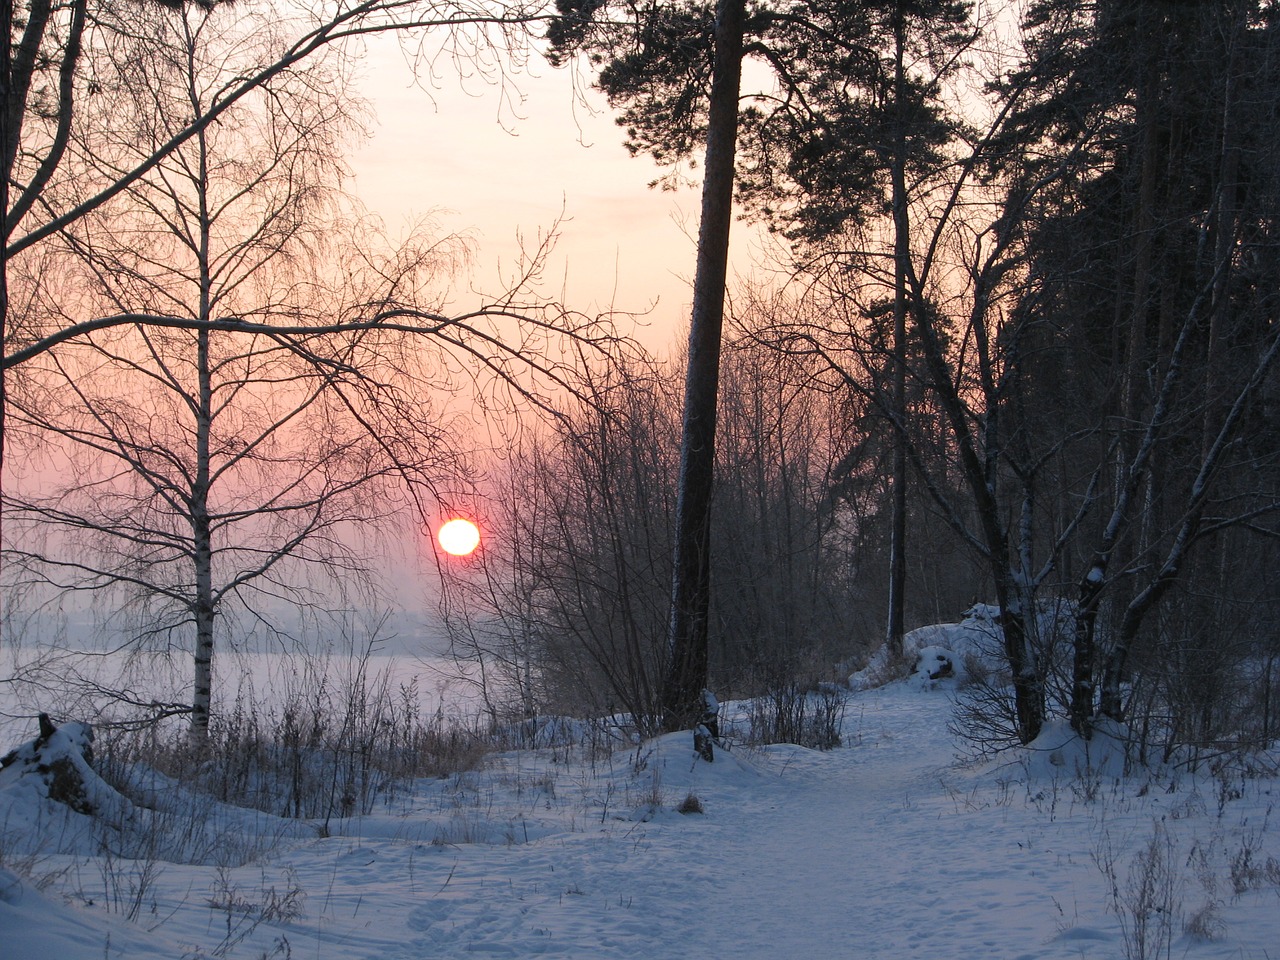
(458, 537)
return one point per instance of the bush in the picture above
(329, 750)
(788, 713)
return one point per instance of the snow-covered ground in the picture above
(886, 847)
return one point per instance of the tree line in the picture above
(1030, 266)
(1023, 352)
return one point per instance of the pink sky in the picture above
(482, 169)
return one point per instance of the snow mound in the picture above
(56, 768)
(56, 803)
(37, 926)
(1059, 751)
(938, 652)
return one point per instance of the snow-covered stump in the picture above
(62, 758)
(708, 729)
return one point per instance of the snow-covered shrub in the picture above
(969, 658)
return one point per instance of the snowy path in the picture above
(880, 850)
(836, 857)
(791, 858)
(851, 853)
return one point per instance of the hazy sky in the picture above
(483, 169)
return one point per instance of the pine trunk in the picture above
(687, 664)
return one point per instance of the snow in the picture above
(892, 845)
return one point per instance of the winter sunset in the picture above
(613, 481)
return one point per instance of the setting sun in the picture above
(458, 537)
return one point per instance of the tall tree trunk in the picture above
(687, 642)
(1024, 665)
(1084, 652)
(895, 626)
(7, 135)
(205, 608)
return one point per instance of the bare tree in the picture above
(568, 607)
(45, 78)
(565, 612)
(236, 465)
(791, 598)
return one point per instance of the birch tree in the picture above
(217, 466)
(45, 78)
